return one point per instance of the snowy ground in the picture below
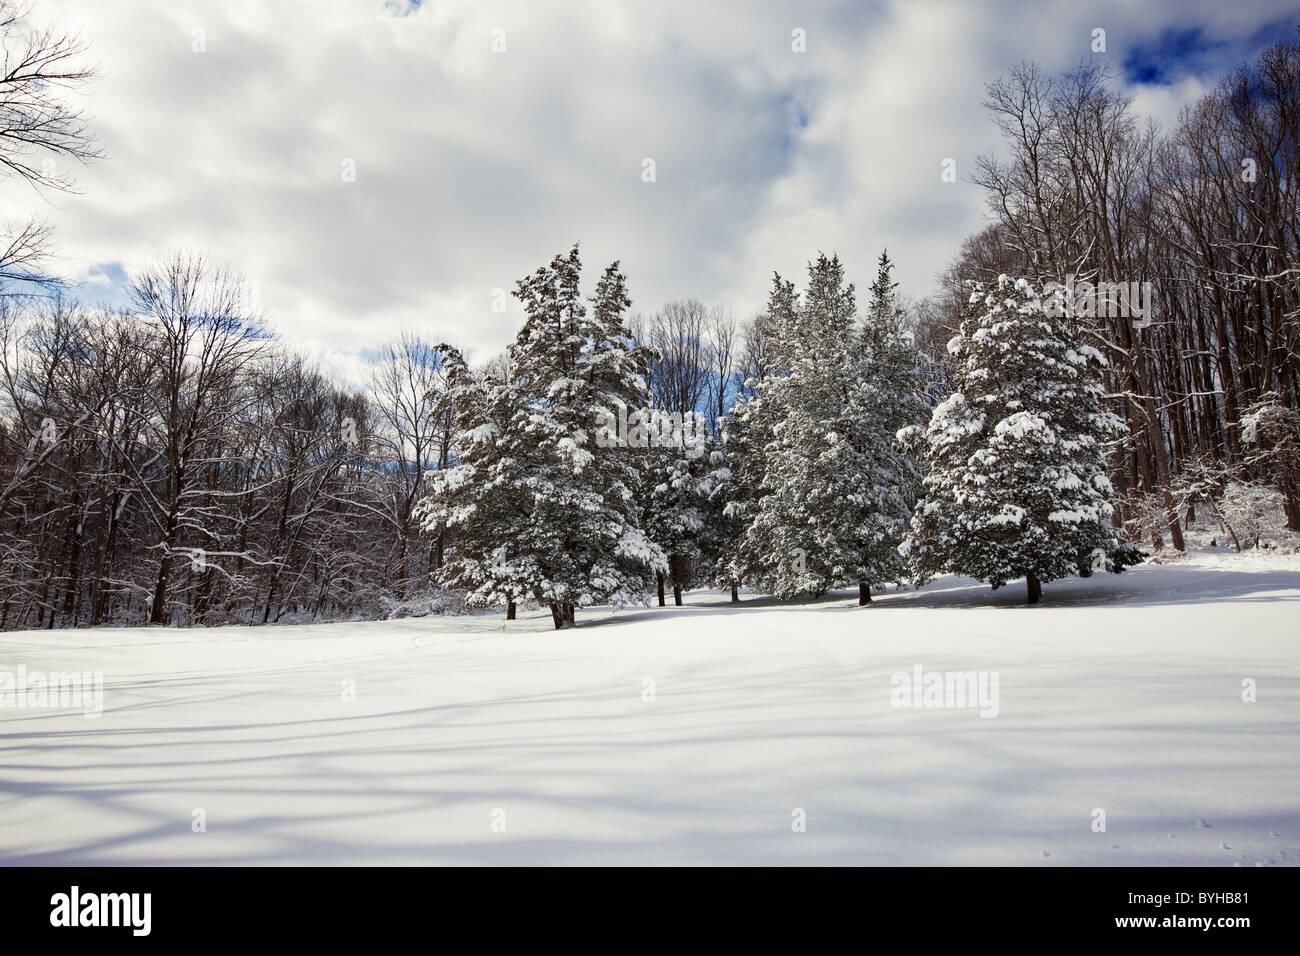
(1121, 693)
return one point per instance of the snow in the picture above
(1021, 424)
(1119, 692)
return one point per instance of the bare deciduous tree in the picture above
(41, 124)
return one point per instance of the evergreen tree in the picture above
(536, 507)
(832, 502)
(480, 502)
(734, 500)
(1017, 484)
(883, 311)
(747, 434)
(680, 485)
(888, 397)
(682, 469)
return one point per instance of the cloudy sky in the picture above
(230, 127)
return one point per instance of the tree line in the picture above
(173, 464)
(832, 469)
(1208, 213)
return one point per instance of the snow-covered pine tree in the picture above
(682, 467)
(534, 506)
(680, 484)
(747, 433)
(833, 500)
(889, 396)
(570, 367)
(1017, 484)
(737, 493)
(480, 501)
(720, 530)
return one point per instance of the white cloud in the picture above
(472, 167)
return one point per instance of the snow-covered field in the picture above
(468, 743)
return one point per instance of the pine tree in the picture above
(536, 507)
(679, 487)
(745, 433)
(480, 502)
(888, 398)
(833, 500)
(748, 432)
(883, 311)
(1017, 484)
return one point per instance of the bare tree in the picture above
(756, 359)
(40, 124)
(678, 334)
(1206, 215)
(206, 336)
(413, 435)
(723, 348)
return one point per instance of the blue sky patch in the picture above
(106, 284)
(1177, 53)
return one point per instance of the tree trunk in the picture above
(864, 593)
(677, 594)
(510, 610)
(403, 568)
(104, 564)
(270, 596)
(1290, 502)
(562, 615)
(158, 607)
(1035, 589)
(659, 579)
(735, 597)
